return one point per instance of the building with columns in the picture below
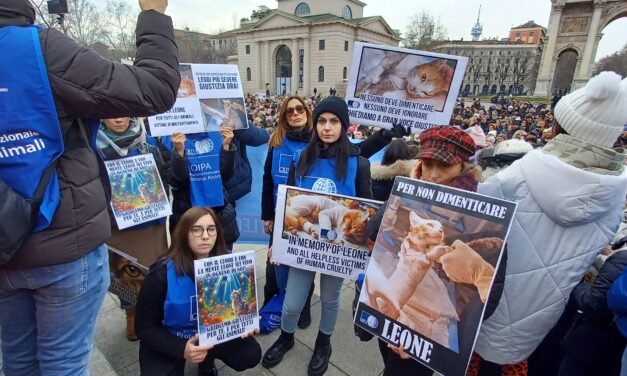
(575, 29)
(305, 45)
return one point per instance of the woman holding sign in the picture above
(122, 138)
(199, 164)
(331, 163)
(166, 310)
(291, 136)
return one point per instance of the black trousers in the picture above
(395, 366)
(239, 354)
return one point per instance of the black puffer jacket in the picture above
(85, 85)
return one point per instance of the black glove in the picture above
(399, 131)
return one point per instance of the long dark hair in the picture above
(340, 148)
(396, 150)
(180, 252)
(279, 134)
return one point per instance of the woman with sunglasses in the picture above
(292, 134)
(329, 160)
(166, 329)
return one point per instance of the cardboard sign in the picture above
(322, 232)
(209, 95)
(431, 271)
(226, 295)
(137, 193)
(127, 276)
(416, 89)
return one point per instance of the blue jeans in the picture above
(298, 285)
(48, 315)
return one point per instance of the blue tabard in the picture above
(282, 158)
(203, 160)
(179, 309)
(321, 177)
(30, 136)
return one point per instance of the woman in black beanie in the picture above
(331, 164)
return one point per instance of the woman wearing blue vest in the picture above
(292, 135)
(166, 318)
(329, 163)
(197, 166)
(120, 138)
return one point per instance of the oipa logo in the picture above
(204, 146)
(369, 320)
(324, 185)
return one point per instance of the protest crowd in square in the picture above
(555, 302)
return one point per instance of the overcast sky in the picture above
(458, 17)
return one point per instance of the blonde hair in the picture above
(281, 130)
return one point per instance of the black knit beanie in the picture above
(334, 105)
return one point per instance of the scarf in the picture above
(114, 145)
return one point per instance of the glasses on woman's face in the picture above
(197, 231)
(291, 110)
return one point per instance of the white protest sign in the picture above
(416, 89)
(322, 232)
(209, 95)
(226, 295)
(137, 193)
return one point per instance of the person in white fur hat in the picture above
(570, 197)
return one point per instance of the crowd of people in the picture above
(563, 164)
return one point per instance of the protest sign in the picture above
(226, 297)
(322, 232)
(209, 95)
(431, 271)
(416, 89)
(127, 276)
(137, 194)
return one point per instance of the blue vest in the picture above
(321, 177)
(203, 161)
(179, 310)
(30, 136)
(282, 158)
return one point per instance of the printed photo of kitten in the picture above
(403, 76)
(187, 89)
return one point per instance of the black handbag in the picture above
(19, 215)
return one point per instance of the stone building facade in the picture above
(508, 66)
(305, 45)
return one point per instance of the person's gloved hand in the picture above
(463, 265)
(397, 131)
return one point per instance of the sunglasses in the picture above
(291, 110)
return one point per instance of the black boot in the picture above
(320, 359)
(305, 315)
(275, 353)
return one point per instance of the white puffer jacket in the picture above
(565, 217)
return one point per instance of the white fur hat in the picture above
(596, 112)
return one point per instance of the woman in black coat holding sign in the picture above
(166, 320)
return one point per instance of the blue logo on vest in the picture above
(324, 185)
(285, 160)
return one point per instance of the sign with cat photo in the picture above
(226, 297)
(210, 95)
(127, 276)
(416, 89)
(322, 232)
(137, 193)
(431, 271)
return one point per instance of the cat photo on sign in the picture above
(330, 218)
(404, 76)
(187, 89)
(405, 280)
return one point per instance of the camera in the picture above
(57, 6)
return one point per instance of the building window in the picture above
(302, 9)
(321, 74)
(532, 33)
(345, 45)
(249, 75)
(347, 12)
(248, 49)
(301, 68)
(345, 73)
(321, 44)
